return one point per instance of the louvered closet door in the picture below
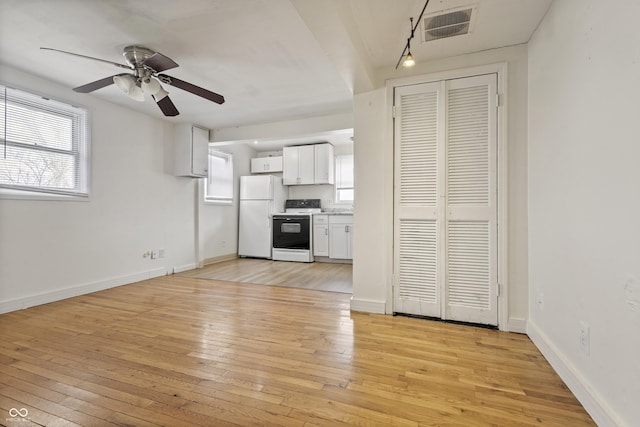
(445, 243)
(418, 205)
(471, 235)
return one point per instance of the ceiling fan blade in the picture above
(196, 90)
(88, 57)
(98, 84)
(158, 62)
(167, 106)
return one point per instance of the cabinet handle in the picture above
(346, 228)
(326, 231)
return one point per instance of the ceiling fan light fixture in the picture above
(160, 93)
(150, 86)
(127, 84)
(144, 65)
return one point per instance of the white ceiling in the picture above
(273, 60)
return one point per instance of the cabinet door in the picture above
(338, 247)
(259, 165)
(321, 240)
(306, 164)
(266, 164)
(191, 151)
(324, 164)
(200, 151)
(274, 164)
(290, 166)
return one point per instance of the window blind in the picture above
(344, 178)
(219, 183)
(45, 144)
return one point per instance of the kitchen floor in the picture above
(322, 276)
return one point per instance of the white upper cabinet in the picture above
(308, 164)
(266, 164)
(323, 164)
(191, 151)
(299, 166)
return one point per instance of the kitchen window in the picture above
(218, 187)
(344, 178)
(44, 146)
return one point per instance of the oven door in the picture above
(291, 232)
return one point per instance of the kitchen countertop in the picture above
(336, 213)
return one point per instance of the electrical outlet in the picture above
(540, 301)
(584, 337)
(154, 254)
(160, 253)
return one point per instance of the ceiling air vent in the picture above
(448, 24)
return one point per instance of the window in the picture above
(344, 178)
(218, 186)
(44, 145)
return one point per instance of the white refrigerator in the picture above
(260, 197)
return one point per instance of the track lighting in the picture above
(407, 60)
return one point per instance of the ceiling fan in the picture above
(146, 65)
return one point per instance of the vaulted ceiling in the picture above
(273, 60)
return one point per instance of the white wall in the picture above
(218, 224)
(373, 204)
(53, 249)
(374, 181)
(584, 205)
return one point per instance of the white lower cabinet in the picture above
(340, 236)
(321, 235)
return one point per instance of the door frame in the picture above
(501, 70)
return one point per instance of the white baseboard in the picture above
(187, 267)
(592, 402)
(368, 306)
(217, 259)
(47, 297)
(517, 325)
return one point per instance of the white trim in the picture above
(47, 297)
(602, 414)
(503, 196)
(186, 267)
(82, 128)
(501, 69)
(221, 258)
(517, 325)
(368, 306)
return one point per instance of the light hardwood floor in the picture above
(321, 276)
(179, 351)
